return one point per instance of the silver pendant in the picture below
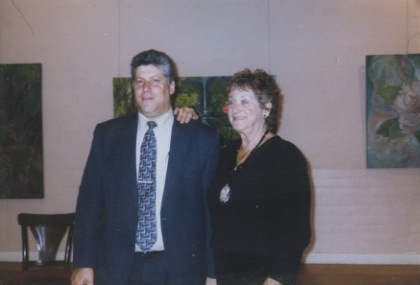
(225, 194)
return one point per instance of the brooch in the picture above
(225, 194)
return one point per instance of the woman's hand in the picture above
(270, 281)
(211, 281)
(185, 114)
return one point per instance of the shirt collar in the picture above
(160, 121)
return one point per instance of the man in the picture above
(110, 231)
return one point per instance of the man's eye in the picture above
(156, 81)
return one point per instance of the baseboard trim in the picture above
(10, 256)
(16, 256)
(311, 258)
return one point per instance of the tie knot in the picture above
(151, 124)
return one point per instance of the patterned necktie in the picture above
(146, 186)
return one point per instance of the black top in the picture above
(267, 207)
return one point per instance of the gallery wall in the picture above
(315, 48)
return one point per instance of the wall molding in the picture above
(390, 259)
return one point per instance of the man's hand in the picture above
(82, 276)
(185, 114)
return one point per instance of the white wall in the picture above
(316, 49)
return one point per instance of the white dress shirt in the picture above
(163, 132)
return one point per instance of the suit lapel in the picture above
(178, 154)
(127, 142)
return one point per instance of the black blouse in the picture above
(265, 205)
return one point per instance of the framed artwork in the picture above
(393, 111)
(21, 153)
(206, 95)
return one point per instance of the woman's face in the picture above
(244, 111)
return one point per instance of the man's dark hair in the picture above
(158, 59)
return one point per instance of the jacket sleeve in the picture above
(89, 208)
(296, 191)
(211, 158)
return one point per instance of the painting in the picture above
(21, 153)
(393, 111)
(206, 95)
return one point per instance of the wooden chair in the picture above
(48, 231)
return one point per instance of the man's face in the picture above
(152, 91)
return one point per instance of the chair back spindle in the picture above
(48, 231)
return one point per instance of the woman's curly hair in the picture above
(265, 89)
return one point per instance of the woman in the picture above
(260, 197)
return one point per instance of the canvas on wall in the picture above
(206, 95)
(21, 153)
(393, 111)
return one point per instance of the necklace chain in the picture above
(245, 158)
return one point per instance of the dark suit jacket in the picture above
(107, 209)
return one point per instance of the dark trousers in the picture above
(241, 269)
(149, 269)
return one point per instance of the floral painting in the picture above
(206, 95)
(21, 155)
(393, 111)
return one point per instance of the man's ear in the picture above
(172, 88)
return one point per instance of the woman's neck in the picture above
(250, 140)
(245, 152)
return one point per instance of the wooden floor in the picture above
(326, 274)
(359, 275)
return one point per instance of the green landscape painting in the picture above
(393, 111)
(21, 155)
(206, 95)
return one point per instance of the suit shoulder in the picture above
(196, 126)
(118, 121)
(116, 125)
